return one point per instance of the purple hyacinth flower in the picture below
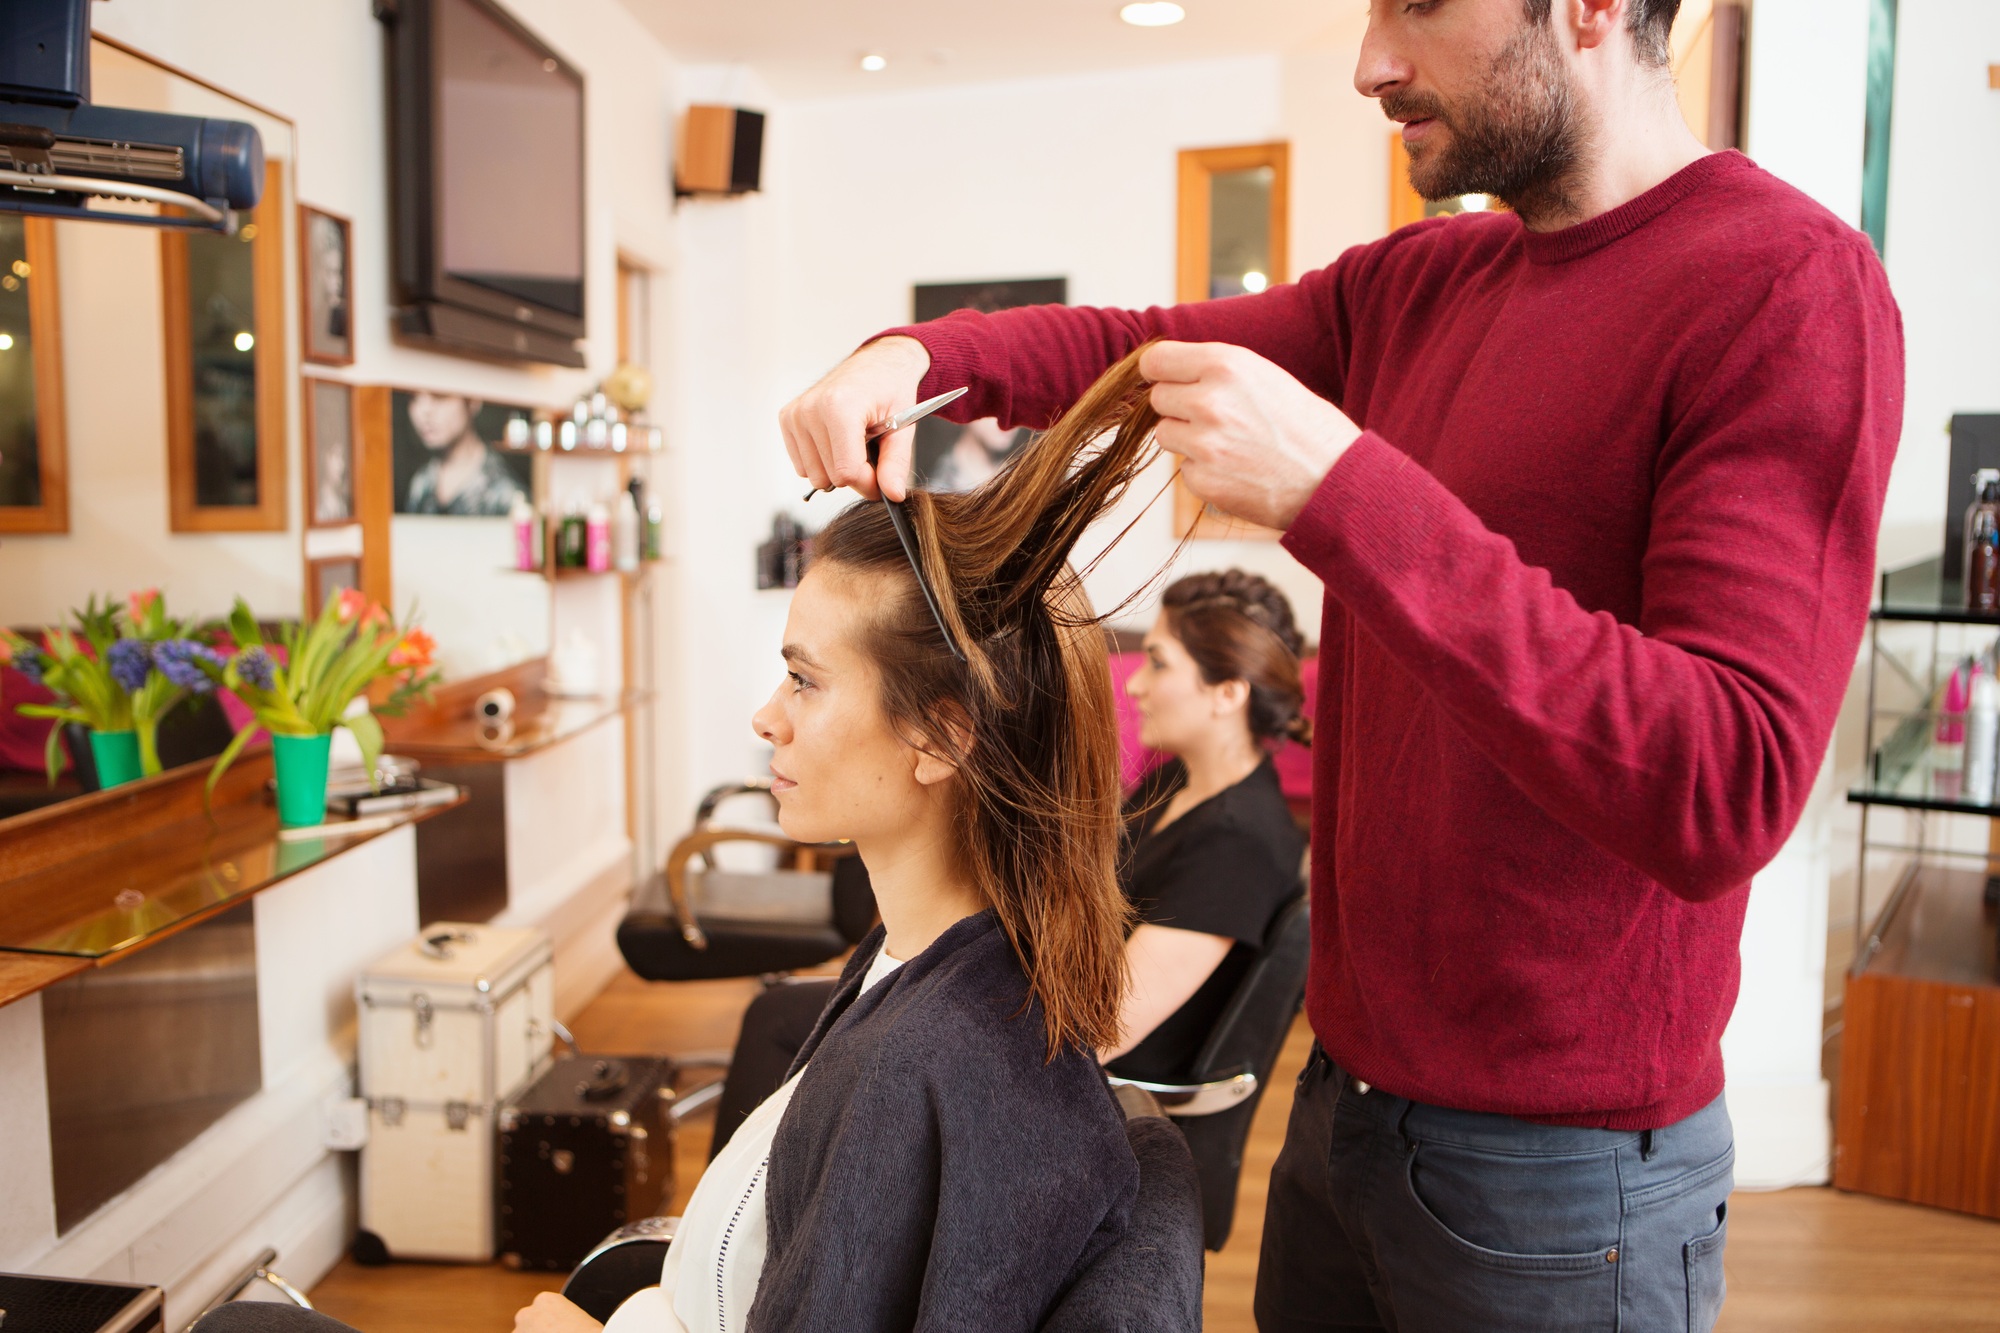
(256, 668)
(131, 661)
(180, 661)
(31, 662)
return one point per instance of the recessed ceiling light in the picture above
(1152, 13)
(874, 64)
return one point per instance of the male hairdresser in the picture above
(1593, 487)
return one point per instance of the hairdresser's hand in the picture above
(553, 1314)
(825, 425)
(1253, 441)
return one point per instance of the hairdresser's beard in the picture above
(1519, 137)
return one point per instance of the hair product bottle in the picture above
(1948, 740)
(625, 533)
(1982, 543)
(527, 534)
(571, 537)
(656, 525)
(1982, 738)
(597, 538)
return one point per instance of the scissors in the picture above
(907, 417)
(899, 520)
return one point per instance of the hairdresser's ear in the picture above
(1231, 696)
(931, 769)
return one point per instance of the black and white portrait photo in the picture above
(326, 247)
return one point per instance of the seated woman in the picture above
(946, 1153)
(1211, 851)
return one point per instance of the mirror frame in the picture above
(267, 248)
(1198, 166)
(51, 437)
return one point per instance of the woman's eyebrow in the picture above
(798, 656)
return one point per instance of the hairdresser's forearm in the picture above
(1026, 366)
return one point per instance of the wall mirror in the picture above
(33, 461)
(148, 415)
(455, 470)
(1234, 229)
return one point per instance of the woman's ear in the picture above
(930, 763)
(1231, 696)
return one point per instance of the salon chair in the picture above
(1149, 1282)
(1215, 1108)
(697, 920)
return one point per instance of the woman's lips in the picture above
(780, 783)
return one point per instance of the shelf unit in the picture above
(1918, 1113)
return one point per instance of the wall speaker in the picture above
(722, 151)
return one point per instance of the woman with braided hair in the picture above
(1210, 852)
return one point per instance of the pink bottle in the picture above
(1948, 741)
(597, 543)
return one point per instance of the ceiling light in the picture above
(1152, 13)
(874, 64)
(1474, 203)
(245, 341)
(6, 342)
(1254, 282)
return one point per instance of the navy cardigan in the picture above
(935, 1170)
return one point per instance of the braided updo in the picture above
(1237, 626)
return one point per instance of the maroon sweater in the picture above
(1595, 573)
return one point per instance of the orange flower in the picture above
(414, 650)
(140, 602)
(353, 603)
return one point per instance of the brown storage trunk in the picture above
(583, 1150)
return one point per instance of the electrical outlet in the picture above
(346, 1123)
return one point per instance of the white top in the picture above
(712, 1268)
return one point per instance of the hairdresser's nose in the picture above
(1382, 68)
(1135, 686)
(769, 721)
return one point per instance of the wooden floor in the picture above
(1799, 1261)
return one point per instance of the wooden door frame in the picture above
(1197, 166)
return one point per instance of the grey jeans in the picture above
(1390, 1214)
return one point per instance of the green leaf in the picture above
(52, 754)
(368, 732)
(222, 763)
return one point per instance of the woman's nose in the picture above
(765, 721)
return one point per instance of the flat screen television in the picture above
(486, 183)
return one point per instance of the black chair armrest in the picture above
(624, 1262)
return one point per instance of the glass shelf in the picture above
(1922, 592)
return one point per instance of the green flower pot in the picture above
(302, 762)
(116, 754)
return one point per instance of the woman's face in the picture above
(839, 770)
(1178, 710)
(440, 418)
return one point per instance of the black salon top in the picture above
(1223, 868)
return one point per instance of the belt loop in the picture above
(1648, 1145)
(1403, 1126)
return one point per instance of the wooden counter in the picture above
(448, 731)
(90, 881)
(1919, 1114)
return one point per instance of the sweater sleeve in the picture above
(1027, 365)
(1686, 744)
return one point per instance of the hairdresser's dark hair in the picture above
(1236, 626)
(1650, 22)
(1029, 719)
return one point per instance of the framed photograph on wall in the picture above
(329, 410)
(325, 578)
(449, 458)
(326, 299)
(954, 457)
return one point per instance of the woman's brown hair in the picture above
(1028, 719)
(1237, 626)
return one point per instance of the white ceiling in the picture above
(812, 48)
